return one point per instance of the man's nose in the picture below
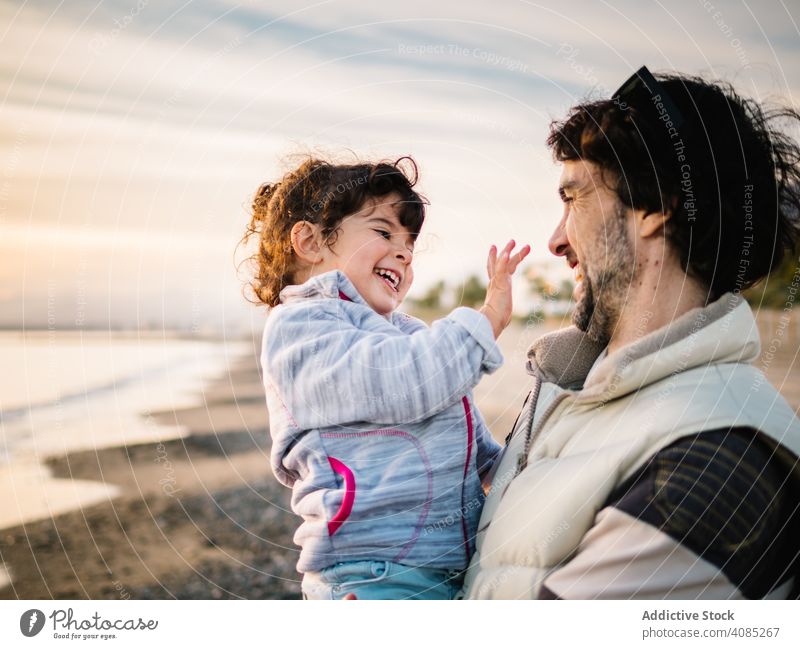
(559, 244)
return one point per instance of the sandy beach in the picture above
(196, 517)
(203, 517)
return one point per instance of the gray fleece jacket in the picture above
(374, 428)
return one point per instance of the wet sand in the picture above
(198, 517)
(203, 517)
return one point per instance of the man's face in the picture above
(594, 237)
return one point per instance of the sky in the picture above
(133, 133)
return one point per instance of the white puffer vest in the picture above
(572, 447)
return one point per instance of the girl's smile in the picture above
(375, 252)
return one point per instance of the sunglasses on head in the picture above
(641, 89)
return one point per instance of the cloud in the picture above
(132, 116)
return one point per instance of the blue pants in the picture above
(381, 580)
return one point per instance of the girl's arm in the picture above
(329, 372)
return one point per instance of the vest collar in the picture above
(724, 331)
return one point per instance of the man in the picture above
(651, 459)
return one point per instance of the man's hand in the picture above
(497, 306)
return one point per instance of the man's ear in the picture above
(307, 242)
(651, 223)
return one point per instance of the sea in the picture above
(68, 391)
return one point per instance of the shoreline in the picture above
(114, 402)
(199, 516)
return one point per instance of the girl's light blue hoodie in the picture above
(374, 428)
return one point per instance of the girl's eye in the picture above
(384, 234)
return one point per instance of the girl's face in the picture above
(375, 252)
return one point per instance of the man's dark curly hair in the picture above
(728, 176)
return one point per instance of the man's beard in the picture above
(598, 315)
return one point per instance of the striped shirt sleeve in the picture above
(713, 516)
(329, 371)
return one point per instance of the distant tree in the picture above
(538, 286)
(776, 290)
(565, 290)
(432, 298)
(471, 293)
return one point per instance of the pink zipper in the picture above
(470, 435)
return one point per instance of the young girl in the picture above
(371, 412)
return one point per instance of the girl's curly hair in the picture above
(322, 193)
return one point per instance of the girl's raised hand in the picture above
(500, 267)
